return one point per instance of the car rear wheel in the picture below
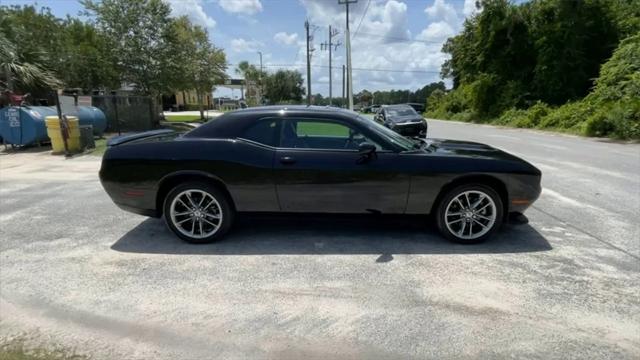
(470, 214)
(198, 212)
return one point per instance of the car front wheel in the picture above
(470, 214)
(198, 212)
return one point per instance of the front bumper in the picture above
(412, 129)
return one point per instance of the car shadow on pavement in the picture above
(328, 235)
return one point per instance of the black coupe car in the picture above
(317, 160)
(402, 119)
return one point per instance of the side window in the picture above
(318, 134)
(318, 128)
(263, 132)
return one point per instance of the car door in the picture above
(318, 168)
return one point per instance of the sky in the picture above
(396, 44)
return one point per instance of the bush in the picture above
(450, 105)
(568, 116)
(512, 117)
(620, 75)
(598, 124)
(529, 118)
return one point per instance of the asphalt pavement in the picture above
(77, 271)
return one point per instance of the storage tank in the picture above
(90, 115)
(25, 125)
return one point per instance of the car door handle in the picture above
(287, 160)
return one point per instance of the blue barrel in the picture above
(24, 125)
(90, 115)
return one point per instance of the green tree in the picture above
(27, 48)
(515, 55)
(254, 80)
(138, 32)
(284, 86)
(210, 66)
(202, 69)
(572, 39)
(73, 50)
(18, 71)
(364, 96)
(86, 60)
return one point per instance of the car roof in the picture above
(231, 124)
(295, 108)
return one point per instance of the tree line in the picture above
(124, 43)
(568, 65)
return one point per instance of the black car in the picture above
(312, 160)
(419, 108)
(402, 119)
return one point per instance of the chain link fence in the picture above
(127, 113)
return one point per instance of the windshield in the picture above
(401, 111)
(388, 134)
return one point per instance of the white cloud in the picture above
(286, 39)
(443, 11)
(469, 8)
(436, 31)
(248, 7)
(193, 10)
(382, 43)
(241, 45)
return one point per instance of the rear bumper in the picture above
(136, 199)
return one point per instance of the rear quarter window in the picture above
(263, 132)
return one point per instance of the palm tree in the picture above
(16, 70)
(250, 74)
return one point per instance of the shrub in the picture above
(568, 116)
(598, 124)
(524, 118)
(625, 118)
(512, 117)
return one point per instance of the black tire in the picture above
(221, 207)
(485, 228)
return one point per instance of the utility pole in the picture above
(330, 45)
(347, 35)
(260, 80)
(306, 26)
(343, 70)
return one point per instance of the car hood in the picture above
(405, 119)
(468, 149)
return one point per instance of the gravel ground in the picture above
(77, 271)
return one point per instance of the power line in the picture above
(355, 68)
(402, 39)
(395, 38)
(362, 18)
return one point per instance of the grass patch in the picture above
(16, 349)
(321, 129)
(182, 118)
(101, 147)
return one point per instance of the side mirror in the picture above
(366, 148)
(366, 151)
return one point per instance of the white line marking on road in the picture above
(556, 147)
(595, 170)
(569, 201)
(503, 136)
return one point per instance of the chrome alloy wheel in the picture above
(196, 213)
(470, 214)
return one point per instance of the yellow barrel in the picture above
(54, 133)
